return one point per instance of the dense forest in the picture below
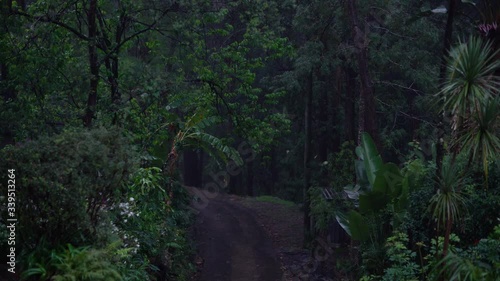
(377, 122)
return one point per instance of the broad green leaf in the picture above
(372, 202)
(372, 159)
(343, 221)
(358, 226)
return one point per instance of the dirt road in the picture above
(232, 245)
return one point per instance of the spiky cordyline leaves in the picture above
(448, 203)
(480, 135)
(471, 82)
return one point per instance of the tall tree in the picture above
(93, 63)
(367, 117)
(308, 99)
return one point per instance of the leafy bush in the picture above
(340, 165)
(322, 211)
(65, 182)
(154, 225)
(417, 222)
(403, 266)
(483, 206)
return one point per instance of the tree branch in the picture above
(48, 19)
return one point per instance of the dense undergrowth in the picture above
(91, 208)
(394, 220)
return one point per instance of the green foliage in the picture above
(276, 200)
(192, 134)
(479, 262)
(323, 211)
(455, 267)
(496, 233)
(403, 266)
(151, 222)
(470, 95)
(482, 215)
(340, 164)
(70, 263)
(448, 204)
(381, 190)
(417, 222)
(470, 81)
(67, 181)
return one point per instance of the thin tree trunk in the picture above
(442, 75)
(93, 63)
(448, 33)
(250, 179)
(323, 136)
(350, 105)
(447, 237)
(367, 117)
(115, 91)
(446, 244)
(7, 92)
(307, 158)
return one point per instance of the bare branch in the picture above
(48, 19)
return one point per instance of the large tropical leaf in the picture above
(371, 158)
(343, 220)
(358, 226)
(373, 202)
(214, 146)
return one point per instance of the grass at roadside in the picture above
(272, 199)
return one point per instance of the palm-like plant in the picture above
(480, 135)
(448, 205)
(192, 134)
(470, 94)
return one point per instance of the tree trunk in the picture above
(323, 136)
(349, 105)
(7, 92)
(446, 244)
(367, 117)
(307, 158)
(448, 33)
(191, 166)
(115, 91)
(250, 190)
(111, 60)
(447, 237)
(442, 75)
(93, 64)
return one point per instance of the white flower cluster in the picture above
(132, 242)
(126, 209)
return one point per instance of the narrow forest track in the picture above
(232, 245)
